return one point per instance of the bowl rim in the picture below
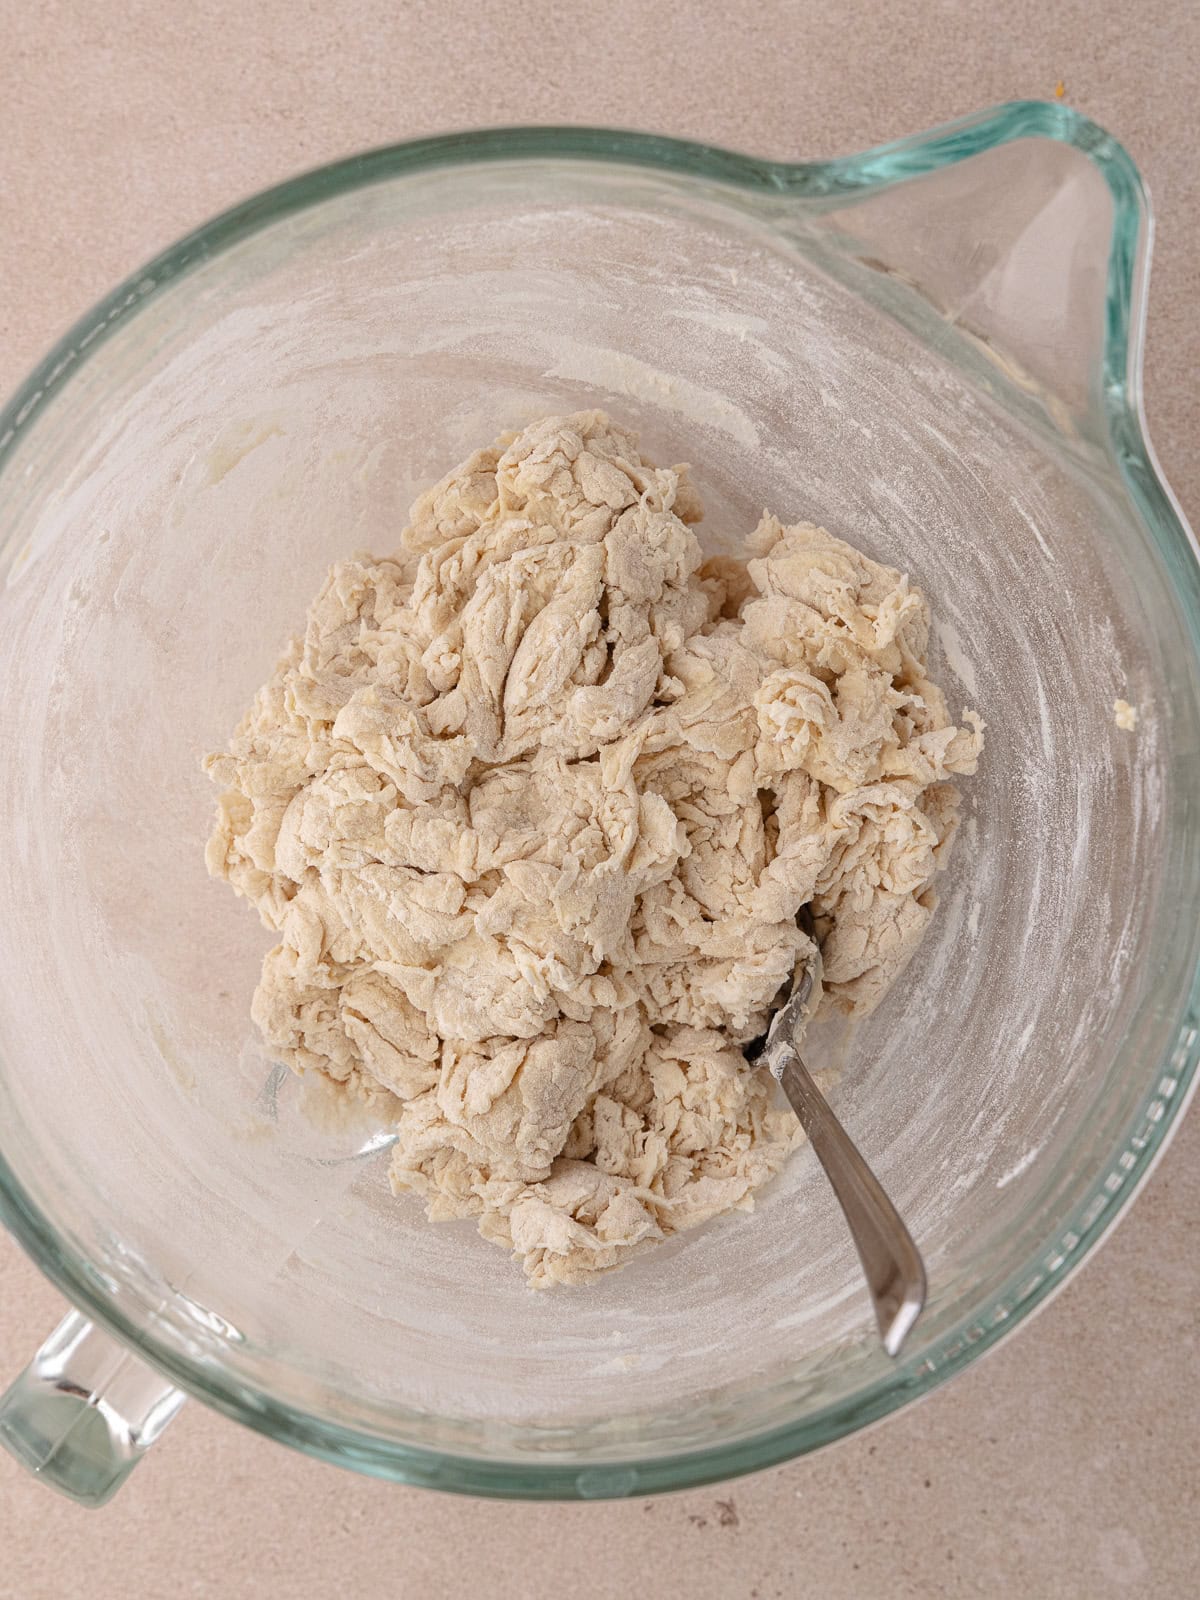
(1168, 1086)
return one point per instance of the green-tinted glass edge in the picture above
(1170, 1086)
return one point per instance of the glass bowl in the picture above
(933, 349)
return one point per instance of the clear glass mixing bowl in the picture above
(933, 349)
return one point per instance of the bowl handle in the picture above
(85, 1411)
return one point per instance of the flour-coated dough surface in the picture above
(532, 806)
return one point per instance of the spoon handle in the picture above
(891, 1261)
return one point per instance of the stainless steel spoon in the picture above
(890, 1260)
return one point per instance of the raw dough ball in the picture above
(533, 805)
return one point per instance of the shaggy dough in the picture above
(532, 806)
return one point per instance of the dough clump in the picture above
(532, 806)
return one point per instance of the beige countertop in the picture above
(1068, 1463)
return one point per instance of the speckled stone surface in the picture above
(1068, 1463)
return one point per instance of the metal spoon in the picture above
(890, 1260)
